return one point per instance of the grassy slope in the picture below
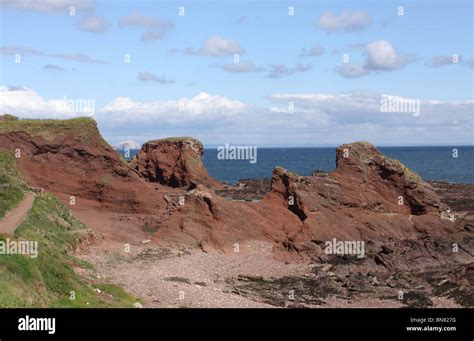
(47, 281)
(84, 128)
(173, 139)
(11, 185)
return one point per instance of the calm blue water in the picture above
(432, 163)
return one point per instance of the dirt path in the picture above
(14, 218)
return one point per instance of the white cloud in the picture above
(344, 22)
(362, 107)
(52, 67)
(242, 67)
(47, 6)
(351, 70)
(382, 56)
(151, 77)
(79, 58)
(379, 56)
(202, 107)
(93, 24)
(280, 70)
(216, 46)
(11, 50)
(156, 28)
(438, 61)
(26, 103)
(139, 20)
(315, 51)
(313, 118)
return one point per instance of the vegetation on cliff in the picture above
(49, 280)
(11, 184)
(83, 128)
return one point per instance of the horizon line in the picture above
(213, 146)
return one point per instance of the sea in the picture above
(431, 163)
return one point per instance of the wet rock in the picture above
(250, 278)
(417, 299)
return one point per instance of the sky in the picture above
(266, 73)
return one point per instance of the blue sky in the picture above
(188, 58)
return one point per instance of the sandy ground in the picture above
(14, 218)
(172, 276)
(176, 277)
(165, 277)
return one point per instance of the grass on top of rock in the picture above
(364, 151)
(83, 128)
(174, 139)
(409, 175)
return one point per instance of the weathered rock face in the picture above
(219, 224)
(367, 197)
(174, 162)
(378, 201)
(60, 160)
(384, 181)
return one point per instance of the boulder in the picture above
(367, 197)
(174, 162)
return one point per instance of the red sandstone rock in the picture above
(174, 162)
(367, 197)
(360, 200)
(86, 168)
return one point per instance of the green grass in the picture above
(409, 175)
(84, 128)
(364, 152)
(174, 139)
(11, 185)
(49, 279)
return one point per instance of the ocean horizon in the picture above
(432, 163)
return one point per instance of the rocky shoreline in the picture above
(418, 237)
(460, 197)
(331, 284)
